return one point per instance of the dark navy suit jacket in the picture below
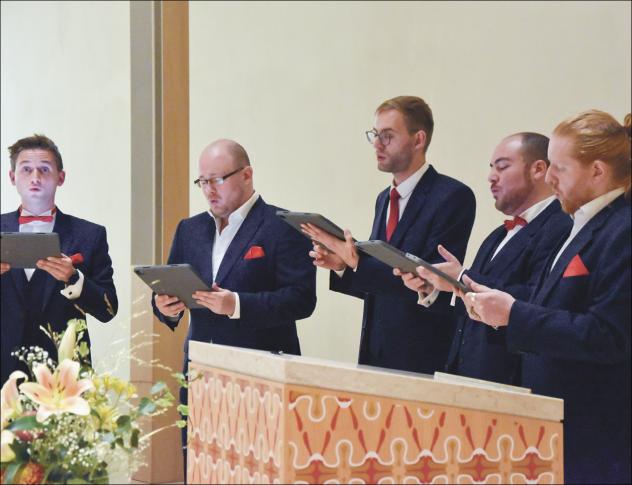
(398, 333)
(274, 291)
(575, 333)
(23, 312)
(478, 350)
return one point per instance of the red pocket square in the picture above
(255, 252)
(575, 268)
(76, 259)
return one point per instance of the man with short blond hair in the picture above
(420, 209)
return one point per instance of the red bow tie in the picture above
(27, 219)
(516, 221)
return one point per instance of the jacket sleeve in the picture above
(175, 257)
(98, 295)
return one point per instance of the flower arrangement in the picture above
(68, 423)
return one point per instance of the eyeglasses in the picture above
(214, 181)
(384, 137)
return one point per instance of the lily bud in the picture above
(66, 348)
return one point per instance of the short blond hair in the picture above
(417, 114)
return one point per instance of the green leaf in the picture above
(146, 406)
(25, 422)
(123, 422)
(183, 409)
(157, 387)
(181, 423)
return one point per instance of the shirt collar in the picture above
(239, 214)
(535, 210)
(406, 187)
(24, 212)
(590, 209)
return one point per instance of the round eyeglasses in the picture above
(384, 137)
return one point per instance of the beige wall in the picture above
(297, 84)
(65, 73)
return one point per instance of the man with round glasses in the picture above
(420, 209)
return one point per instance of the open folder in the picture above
(380, 250)
(406, 262)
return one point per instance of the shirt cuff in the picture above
(453, 299)
(428, 300)
(72, 292)
(237, 313)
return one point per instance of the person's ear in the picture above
(12, 177)
(599, 169)
(247, 173)
(538, 170)
(420, 140)
(61, 179)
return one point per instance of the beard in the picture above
(570, 206)
(513, 200)
(397, 162)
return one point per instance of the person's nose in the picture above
(36, 176)
(492, 177)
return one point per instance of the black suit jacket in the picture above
(274, 290)
(397, 332)
(575, 335)
(21, 318)
(478, 350)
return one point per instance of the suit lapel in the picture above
(62, 228)
(583, 237)
(516, 244)
(205, 242)
(487, 248)
(239, 244)
(380, 215)
(414, 206)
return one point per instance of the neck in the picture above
(223, 222)
(38, 208)
(416, 164)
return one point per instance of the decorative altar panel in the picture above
(256, 417)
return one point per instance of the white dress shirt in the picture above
(528, 215)
(72, 292)
(225, 237)
(405, 189)
(584, 214)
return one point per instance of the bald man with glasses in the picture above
(258, 267)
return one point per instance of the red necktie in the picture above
(27, 219)
(516, 221)
(393, 214)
